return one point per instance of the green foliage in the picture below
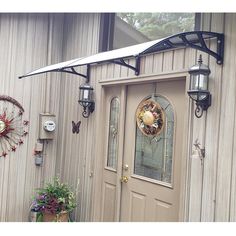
(39, 217)
(54, 198)
(159, 25)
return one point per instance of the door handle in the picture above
(124, 179)
(126, 167)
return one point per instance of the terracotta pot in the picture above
(61, 217)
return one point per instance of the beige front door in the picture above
(141, 176)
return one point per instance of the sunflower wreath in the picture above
(150, 117)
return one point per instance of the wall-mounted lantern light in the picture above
(198, 87)
(86, 99)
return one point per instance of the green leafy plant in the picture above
(54, 198)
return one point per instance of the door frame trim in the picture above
(98, 165)
(173, 75)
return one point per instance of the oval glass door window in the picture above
(153, 154)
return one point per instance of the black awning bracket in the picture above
(122, 62)
(71, 70)
(194, 39)
(218, 55)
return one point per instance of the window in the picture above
(113, 133)
(153, 154)
(134, 28)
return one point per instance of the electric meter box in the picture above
(47, 126)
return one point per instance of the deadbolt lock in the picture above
(124, 179)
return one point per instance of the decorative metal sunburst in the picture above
(12, 126)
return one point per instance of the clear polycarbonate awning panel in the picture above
(194, 39)
(126, 52)
(54, 67)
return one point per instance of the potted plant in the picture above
(54, 202)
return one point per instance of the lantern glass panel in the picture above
(85, 95)
(202, 82)
(81, 95)
(198, 83)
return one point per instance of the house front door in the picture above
(141, 178)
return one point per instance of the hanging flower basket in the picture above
(150, 117)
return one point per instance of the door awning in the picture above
(193, 39)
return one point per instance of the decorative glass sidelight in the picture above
(113, 133)
(154, 154)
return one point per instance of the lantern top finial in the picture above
(199, 68)
(200, 59)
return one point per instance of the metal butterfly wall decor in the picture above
(12, 125)
(76, 127)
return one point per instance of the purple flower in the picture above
(42, 197)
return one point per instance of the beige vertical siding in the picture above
(226, 156)
(74, 153)
(215, 179)
(22, 37)
(214, 186)
(198, 127)
(212, 134)
(30, 41)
